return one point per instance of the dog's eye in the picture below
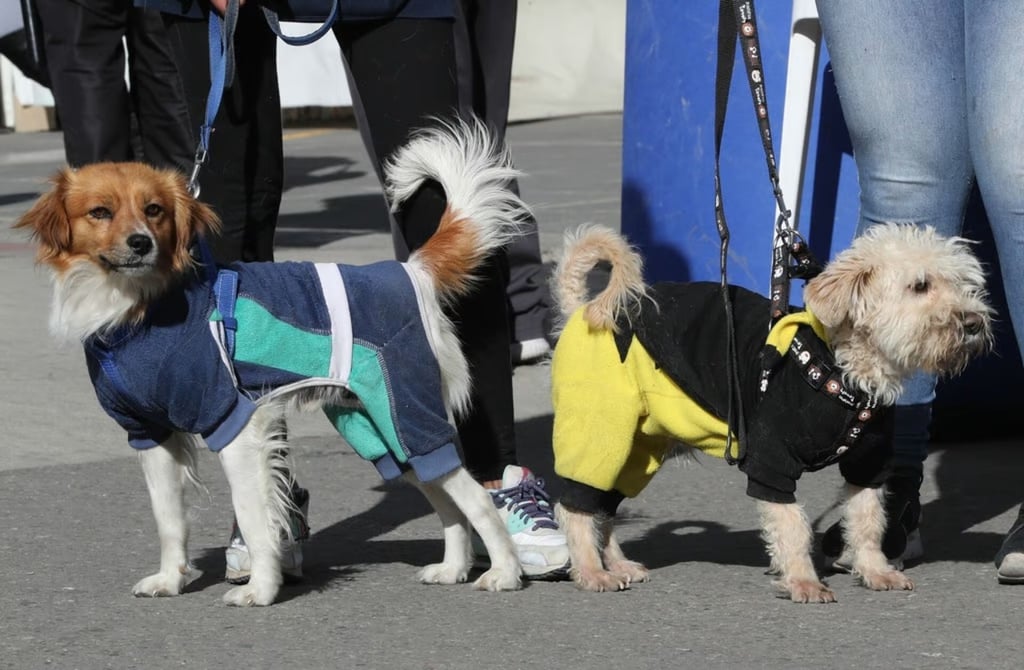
(153, 209)
(101, 213)
(920, 286)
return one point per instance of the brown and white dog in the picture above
(117, 238)
(640, 368)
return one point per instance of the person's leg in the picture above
(244, 173)
(899, 71)
(157, 93)
(86, 61)
(485, 42)
(997, 149)
(403, 72)
(242, 180)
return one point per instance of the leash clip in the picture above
(193, 186)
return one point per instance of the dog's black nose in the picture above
(139, 243)
(973, 323)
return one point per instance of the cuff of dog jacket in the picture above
(584, 498)
(759, 491)
(231, 425)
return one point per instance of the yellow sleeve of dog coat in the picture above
(598, 406)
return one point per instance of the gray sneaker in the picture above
(526, 510)
(236, 556)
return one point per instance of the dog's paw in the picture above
(444, 573)
(163, 585)
(598, 580)
(251, 595)
(633, 572)
(889, 580)
(497, 579)
(808, 591)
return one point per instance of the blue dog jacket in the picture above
(190, 368)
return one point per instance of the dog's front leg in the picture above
(863, 528)
(788, 536)
(166, 469)
(458, 551)
(587, 537)
(478, 507)
(260, 514)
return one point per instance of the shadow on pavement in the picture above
(342, 218)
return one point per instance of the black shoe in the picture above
(902, 540)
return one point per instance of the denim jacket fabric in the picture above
(299, 325)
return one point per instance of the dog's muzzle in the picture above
(977, 330)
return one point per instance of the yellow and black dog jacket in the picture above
(621, 401)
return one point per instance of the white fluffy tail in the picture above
(483, 213)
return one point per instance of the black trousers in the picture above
(86, 61)
(403, 72)
(243, 177)
(484, 45)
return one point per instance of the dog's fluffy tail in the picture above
(584, 249)
(483, 214)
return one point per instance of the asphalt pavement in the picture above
(78, 533)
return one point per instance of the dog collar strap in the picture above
(225, 289)
(825, 378)
(864, 414)
(821, 376)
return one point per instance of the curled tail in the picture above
(585, 248)
(483, 214)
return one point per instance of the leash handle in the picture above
(301, 40)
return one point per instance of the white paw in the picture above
(251, 595)
(497, 579)
(444, 573)
(162, 585)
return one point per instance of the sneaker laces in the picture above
(530, 501)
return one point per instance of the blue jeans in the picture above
(932, 98)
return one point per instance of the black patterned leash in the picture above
(791, 255)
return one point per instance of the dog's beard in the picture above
(943, 348)
(88, 300)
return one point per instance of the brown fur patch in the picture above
(450, 256)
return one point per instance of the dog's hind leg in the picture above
(260, 500)
(167, 467)
(863, 528)
(587, 536)
(458, 552)
(478, 507)
(788, 536)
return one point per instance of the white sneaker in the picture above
(524, 506)
(237, 562)
(529, 352)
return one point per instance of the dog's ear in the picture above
(833, 295)
(192, 219)
(48, 219)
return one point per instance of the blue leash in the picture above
(222, 68)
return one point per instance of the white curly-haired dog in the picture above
(181, 352)
(640, 368)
